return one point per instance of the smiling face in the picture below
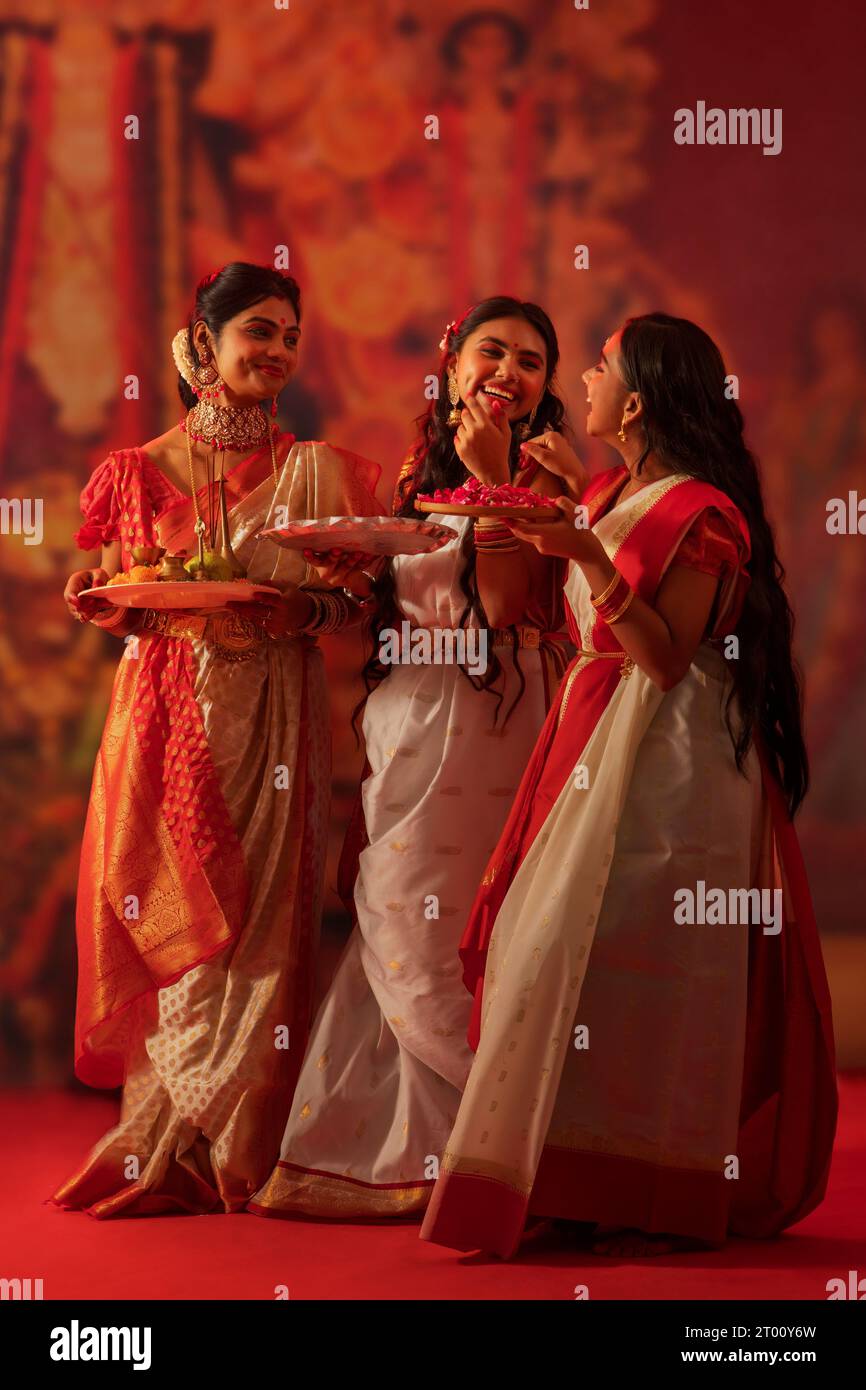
(506, 360)
(257, 350)
(608, 397)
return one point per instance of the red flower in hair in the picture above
(453, 328)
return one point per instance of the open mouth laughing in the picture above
(499, 393)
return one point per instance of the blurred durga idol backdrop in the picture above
(412, 158)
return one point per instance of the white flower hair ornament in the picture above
(183, 359)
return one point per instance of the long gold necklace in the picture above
(200, 525)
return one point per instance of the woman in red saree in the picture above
(201, 869)
(661, 1071)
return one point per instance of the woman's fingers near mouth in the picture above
(492, 404)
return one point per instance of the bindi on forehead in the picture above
(514, 345)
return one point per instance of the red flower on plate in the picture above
(475, 493)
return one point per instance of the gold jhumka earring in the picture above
(525, 430)
(454, 415)
(207, 382)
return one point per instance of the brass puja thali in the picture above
(160, 581)
(189, 594)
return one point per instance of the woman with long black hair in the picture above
(446, 747)
(654, 1049)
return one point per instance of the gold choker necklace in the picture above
(227, 426)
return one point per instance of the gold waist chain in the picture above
(587, 653)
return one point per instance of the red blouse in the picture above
(121, 500)
(709, 546)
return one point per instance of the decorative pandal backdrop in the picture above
(409, 159)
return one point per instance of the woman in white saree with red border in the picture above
(387, 1058)
(632, 1069)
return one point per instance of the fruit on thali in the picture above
(178, 569)
(213, 567)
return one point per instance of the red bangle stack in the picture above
(612, 604)
(491, 535)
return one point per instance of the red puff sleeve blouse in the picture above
(709, 546)
(120, 501)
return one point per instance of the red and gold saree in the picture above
(201, 869)
(629, 1070)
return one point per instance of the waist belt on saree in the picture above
(232, 637)
(527, 636)
(588, 653)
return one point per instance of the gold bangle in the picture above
(609, 590)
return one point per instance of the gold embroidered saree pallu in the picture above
(616, 1072)
(201, 877)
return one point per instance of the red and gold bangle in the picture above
(608, 591)
(610, 618)
(490, 535)
(612, 604)
(111, 619)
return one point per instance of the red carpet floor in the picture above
(44, 1137)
